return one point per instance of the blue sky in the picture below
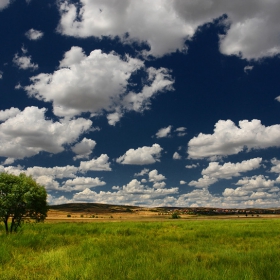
(151, 103)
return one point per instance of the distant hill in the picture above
(111, 208)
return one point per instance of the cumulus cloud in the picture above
(276, 166)
(203, 182)
(1, 75)
(141, 156)
(256, 191)
(229, 139)
(134, 193)
(48, 182)
(24, 62)
(116, 19)
(97, 83)
(254, 183)
(214, 171)
(114, 118)
(142, 173)
(155, 177)
(4, 4)
(99, 164)
(229, 170)
(176, 156)
(58, 172)
(8, 113)
(164, 132)
(28, 132)
(159, 185)
(252, 27)
(182, 182)
(33, 34)
(84, 148)
(81, 183)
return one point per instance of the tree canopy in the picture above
(21, 197)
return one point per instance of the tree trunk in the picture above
(12, 225)
(6, 225)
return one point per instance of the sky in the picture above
(146, 103)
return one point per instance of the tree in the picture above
(20, 198)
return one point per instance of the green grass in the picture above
(181, 249)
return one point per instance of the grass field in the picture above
(174, 249)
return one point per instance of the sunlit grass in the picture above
(216, 249)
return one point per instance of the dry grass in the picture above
(94, 212)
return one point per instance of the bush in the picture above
(175, 215)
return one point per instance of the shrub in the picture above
(175, 215)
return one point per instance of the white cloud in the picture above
(33, 34)
(4, 4)
(97, 83)
(248, 68)
(164, 132)
(229, 139)
(214, 171)
(84, 148)
(158, 80)
(48, 182)
(176, 156)
(16, 170)
(190, 166)
(100, 164)
(142, 173)
(134, 193)
(81, 183)
(1, 75)
(181, 131)
(155, 177)
(141, 19)
(24, 62)
(8, 161)
(256, 191)
(52, 200)
(182, 182)
(159, 185)
(8, 113)
(203, 182)
(253, 26)
(114, 118)
(141, 156)
(276, 167)
(59, 172)
(229, 170)
(28, 133)
(256, 183)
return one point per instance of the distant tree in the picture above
(21, 197)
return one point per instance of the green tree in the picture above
(21, 197)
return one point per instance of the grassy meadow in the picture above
(176, 249)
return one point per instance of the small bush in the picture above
(175, 215)
(68, 216)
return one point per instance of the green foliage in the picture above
(21, 197)
(175, 215)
